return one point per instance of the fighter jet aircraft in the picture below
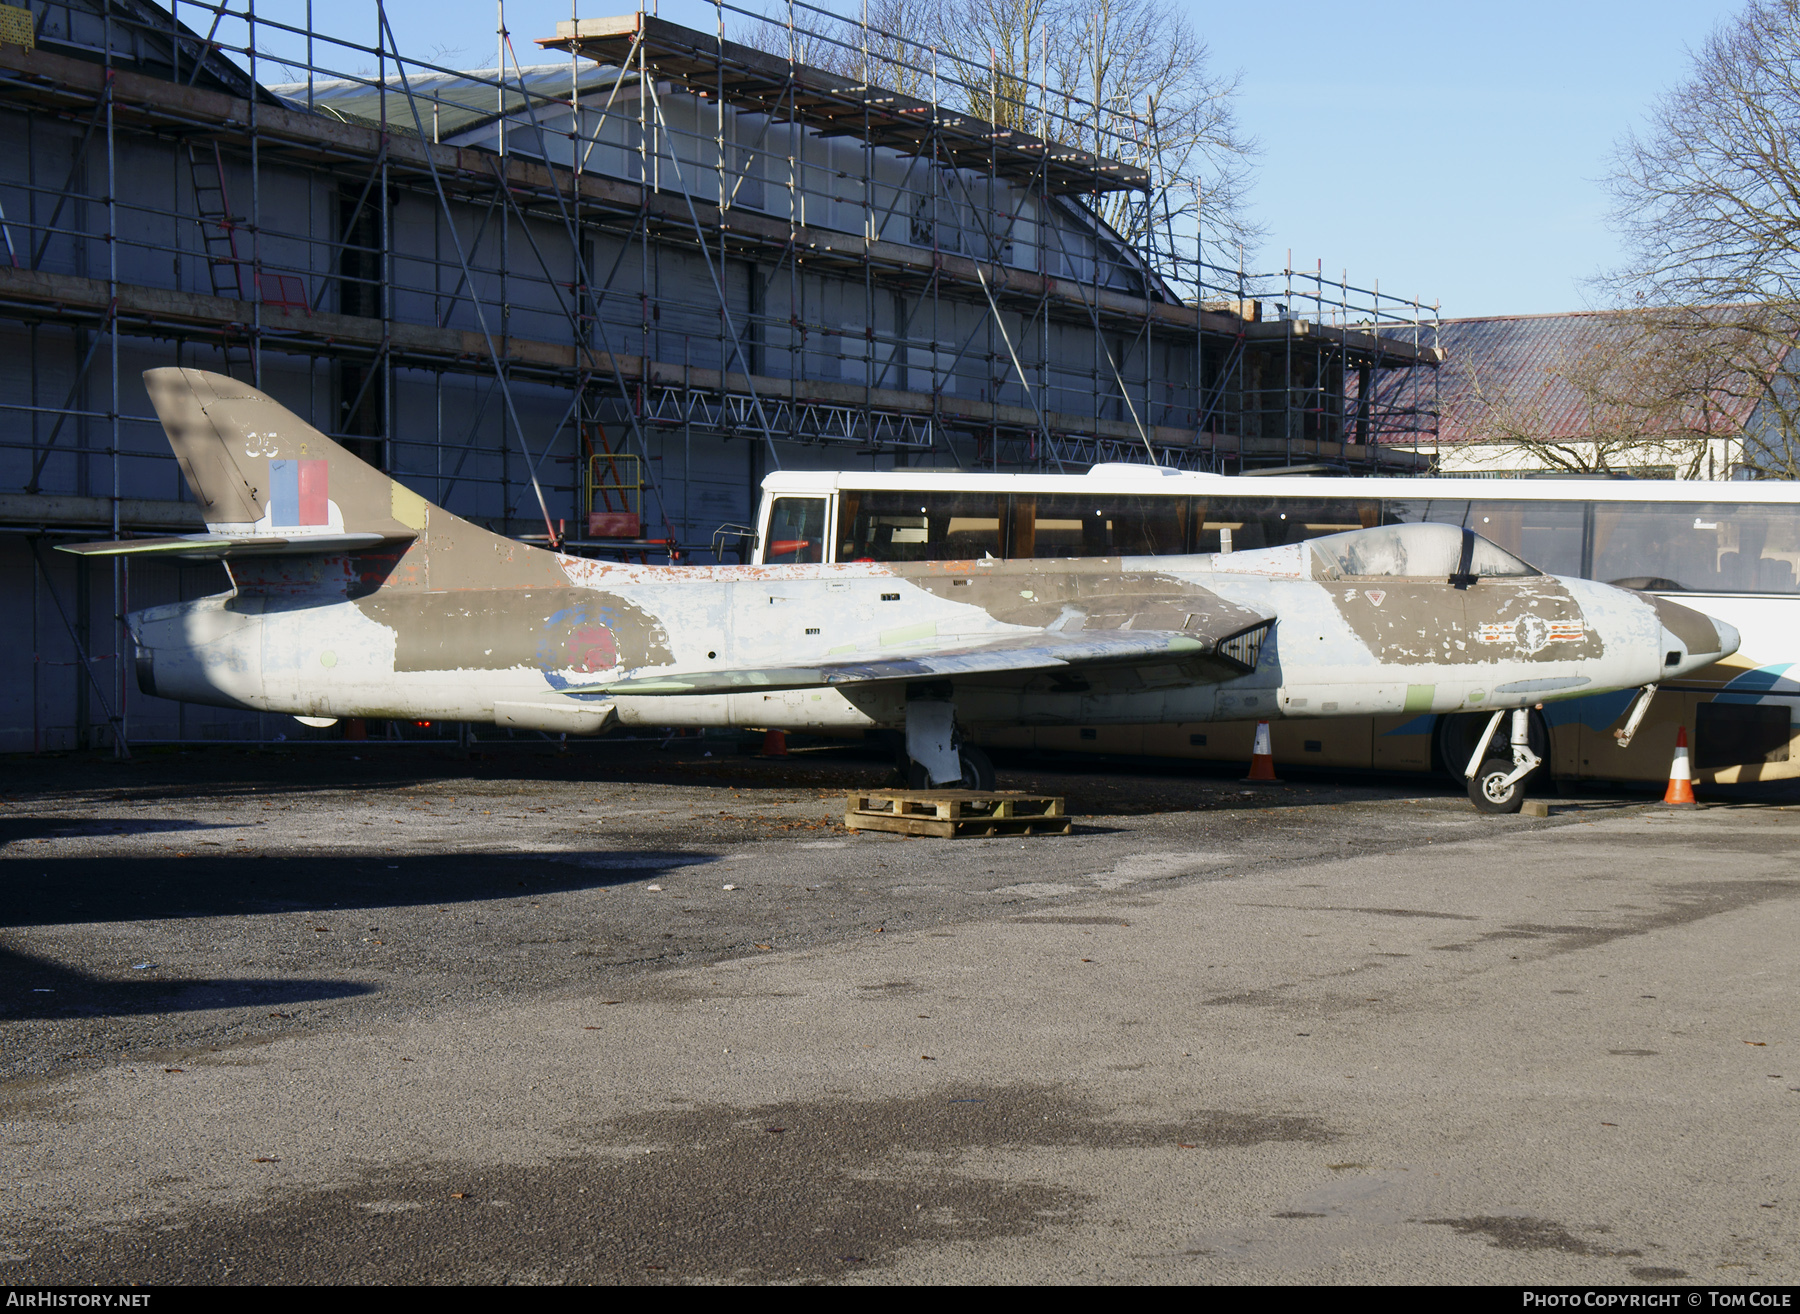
(354, 597)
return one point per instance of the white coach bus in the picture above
(1731, 550)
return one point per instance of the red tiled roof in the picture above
(1518, 363)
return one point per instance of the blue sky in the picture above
(1452, 151)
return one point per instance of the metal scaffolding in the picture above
(676, 249)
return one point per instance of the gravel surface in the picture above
(628, 1013)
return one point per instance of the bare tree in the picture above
(890, 47)
(1159, 106)
(800, 36)
(1128, 80)
(1708, 196)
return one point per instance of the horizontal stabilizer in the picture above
(1038, 651)
(213, 546)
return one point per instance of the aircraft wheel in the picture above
(1487, 792)
(977, 771)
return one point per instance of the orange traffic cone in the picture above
(774, 743)
(1680, 793)
(1262, 758)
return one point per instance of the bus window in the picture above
(907, 526)
(1257, 522)
(1697, 547)
(1426, 510)
(1547, 534)
(796, 531)
(1098, 525)
(1152, 527)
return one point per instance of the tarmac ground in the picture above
(632, 1013)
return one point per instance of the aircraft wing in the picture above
(1041, 650)
(212, 546)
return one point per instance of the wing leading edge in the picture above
(212, 546)
(1042, 650)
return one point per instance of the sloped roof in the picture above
(149, 38)
(463, 100)
(1521, 365)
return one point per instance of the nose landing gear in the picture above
(1497, 784)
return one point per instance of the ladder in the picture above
(603, 480)
(611, 473)
(218, 242)
(218, 226)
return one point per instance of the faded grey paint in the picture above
(448, 621)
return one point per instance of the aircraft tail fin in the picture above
(257, 469)
(271, 487)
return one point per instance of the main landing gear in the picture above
(977, 772)
(1497, 783)
(936, 757)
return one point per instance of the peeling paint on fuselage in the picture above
(433, 617)
(1339, 647)
(584, 631)
(1413, 621)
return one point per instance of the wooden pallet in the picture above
(950, 813)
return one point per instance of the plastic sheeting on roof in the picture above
(461, 100)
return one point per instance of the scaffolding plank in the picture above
(324, 333)
(71, 512)
(314, 139)
(783, 89)
(169, 306)
(148, 102)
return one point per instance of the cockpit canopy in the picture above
(1421, 550)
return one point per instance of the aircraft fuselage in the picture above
(302, 644)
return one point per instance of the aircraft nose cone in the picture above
(1698, 638)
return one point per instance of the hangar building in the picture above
(593, 300)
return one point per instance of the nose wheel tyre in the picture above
(1488, 789)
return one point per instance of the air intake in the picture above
(1245, 647)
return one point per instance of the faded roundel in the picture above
(571, 635)
(591, 648)
(594, 636)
